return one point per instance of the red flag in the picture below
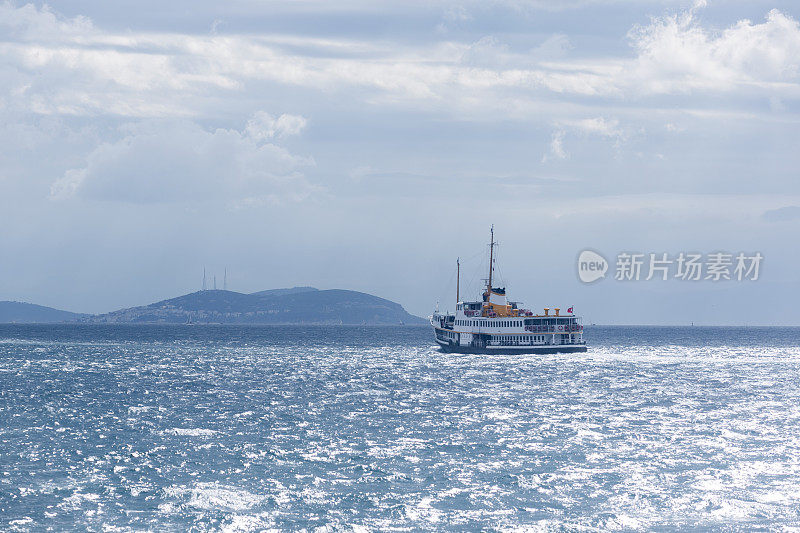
(569, 310)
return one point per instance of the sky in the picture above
(366, 146)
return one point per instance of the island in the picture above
(297, 305)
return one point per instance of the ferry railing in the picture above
(569, 328)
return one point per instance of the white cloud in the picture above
(179, 161)
(676, 54)
(599, 126)
(57, 65)
(557, 150)
(264, 126)
(607, 128)
(486, 51)
(27, 23)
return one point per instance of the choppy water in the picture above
(239, 429)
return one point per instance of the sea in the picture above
(227, 428)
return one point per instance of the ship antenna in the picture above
(458, 278)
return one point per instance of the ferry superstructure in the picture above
(495, 325)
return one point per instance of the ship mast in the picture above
(458, 278)
(491, 258)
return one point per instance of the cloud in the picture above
(28, 23)
(782, 214)
(179, 161)
(486, 51)
(676, 54)
(556, 147)
(70, 66)
(596, 126)
(264, 126)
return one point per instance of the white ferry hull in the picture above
(507, 350)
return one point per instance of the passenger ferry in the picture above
(495, 325)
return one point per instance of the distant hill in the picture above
(298, 305)
(25, 313)
(281, 292)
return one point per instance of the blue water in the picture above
(245, 429)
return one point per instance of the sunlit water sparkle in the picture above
(239, 429)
